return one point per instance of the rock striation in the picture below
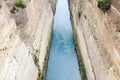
(24, 38)
(97, 36)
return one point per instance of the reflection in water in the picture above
(62, 64)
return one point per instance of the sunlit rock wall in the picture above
(96, 38)
(24, 38)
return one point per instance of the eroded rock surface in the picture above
(97, 38)
(24, 38)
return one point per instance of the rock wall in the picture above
(24, 38)
(97, 39)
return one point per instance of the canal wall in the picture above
(25, 35)
(97, 39)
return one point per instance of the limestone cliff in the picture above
(97, 36)
(24, 38)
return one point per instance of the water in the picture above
(62, 64)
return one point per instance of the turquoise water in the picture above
(62, 64)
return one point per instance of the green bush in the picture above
(20, 3)
(104, 4)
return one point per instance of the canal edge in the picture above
(43, 74)
(78, 52)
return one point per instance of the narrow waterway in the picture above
(63, 63)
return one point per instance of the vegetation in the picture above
(81, 65)
(20, 3)
(104, 4)
(79, 14)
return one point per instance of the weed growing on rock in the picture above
(79, 14)
(20, 3)
(104, 4)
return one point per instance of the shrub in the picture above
(20, 3)
(104, 5)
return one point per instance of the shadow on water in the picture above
(62, 64)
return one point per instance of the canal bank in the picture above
(79, 56)
(24, 38)
(42, 75)
(95, 36)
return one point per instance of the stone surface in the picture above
(24, 38)
(96, 35)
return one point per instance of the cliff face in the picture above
(24, 38)
(97, 35)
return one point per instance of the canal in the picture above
(63, 63)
